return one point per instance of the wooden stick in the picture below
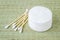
(21, 27)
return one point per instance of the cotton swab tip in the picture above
(20, 29)
(15, 29)
(13, 26)
(6, 26)
(26, 10)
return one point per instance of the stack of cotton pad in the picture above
(40, 18)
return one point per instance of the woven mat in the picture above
(11, 9)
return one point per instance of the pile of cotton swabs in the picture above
(19, 22)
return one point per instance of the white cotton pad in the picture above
(40, 18)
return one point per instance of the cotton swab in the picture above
(21, 27)
(21, 22)
(16, 19)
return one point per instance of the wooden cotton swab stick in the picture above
(21, 22)
(16, 19)
(21, 27)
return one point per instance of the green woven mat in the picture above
(11, 9)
